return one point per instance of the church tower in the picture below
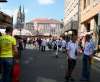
(23, 15)
(20, 18)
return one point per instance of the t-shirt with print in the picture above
(6, 43)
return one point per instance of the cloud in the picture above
(46, 2)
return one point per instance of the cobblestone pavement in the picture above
(40, 66)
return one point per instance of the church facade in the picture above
(20, 19)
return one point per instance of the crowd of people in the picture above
(72, 47)
(11, 50)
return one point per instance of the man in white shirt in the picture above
(63, 45)
(72, 50)
(87, 57)
(57, 43)
(44, 43)
(50, 44)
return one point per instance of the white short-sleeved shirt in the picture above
(63, 43)
(44, 42)
(57, 41)
(72, 48)
(89, 48)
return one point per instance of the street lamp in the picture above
(3, 1)
(66, 33)
(20, 31)
(21, 27)
(70, 32)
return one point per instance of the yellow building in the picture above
(90, 18)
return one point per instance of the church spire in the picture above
(20, 18)
(23, 10)
(19, 12)
(23, 15)
(20, 8)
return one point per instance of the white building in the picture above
(30, 26)
(44, 26)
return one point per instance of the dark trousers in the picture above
(39, 47)
(43, 48)
(71, 66)
(24, 45)
(86, 69)
(19, 52)
(7, 65)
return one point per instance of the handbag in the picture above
(16, 72)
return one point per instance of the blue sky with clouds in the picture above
(35, 8)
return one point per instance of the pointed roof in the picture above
(23, 10)
(45, 20)
(23, 13)
(20, 8)
(19, 14)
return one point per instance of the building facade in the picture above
(20, 19)
(5, 20)
(71, 14)
(44, 26)
(90, 18)
(30, 26)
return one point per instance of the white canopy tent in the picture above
(22, 32)
(2, 31)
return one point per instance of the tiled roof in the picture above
(45, 20)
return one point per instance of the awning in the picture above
(22, 32)
(2, 31)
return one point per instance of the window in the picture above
(84, 4)
(87, 27)
(88, 2)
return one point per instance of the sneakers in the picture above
(69, 79)
(56, 56)
(66, 79)
(72, 79)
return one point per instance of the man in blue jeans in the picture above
(8, 51)
(87, 57)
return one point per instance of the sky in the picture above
(35, 8)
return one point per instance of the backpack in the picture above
(16, 72)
